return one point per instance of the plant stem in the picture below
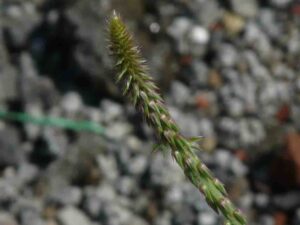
(141, 90)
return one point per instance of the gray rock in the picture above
(164, 171)
(108, 167)
(72, 216)
(178, 30)
(246, 201)
(8, 76)
(180, 94)
(10, 152)
(238, 168)
(19, 20)
(262, 200)
(234, 107)
(251, 132)
(8, 191)
(28, 211)
(247, 9)
(179, 27)
(227, 55)
(297, 217)
(208, 12)
(111, 110)
(207, 218)
(201, 72)
(35, 89)
(268, 22)
(187, 122)
(26, 172)
(174, 197)
(137, 165)
(185, 216)
(118, 130)
(95, 199)
(134, 144)
(71, 103)
(255, 37)
(288, 201)
(163, 218)
(280, 3)
(229, 130)
(90, 52)
(222, 158)
(266, 220)
(126, 186)
(206, 128)
(66, 196)
(8, 84)
(56, 140)
(7, 219)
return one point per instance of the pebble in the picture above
(227, 55)
(180, 94)
(108, 166)
(10, 154)
(111, 110)
(118, 130)
(7, 219)
(179, 27)
(171, 174)
(207, 219)
(126, 186)
(247, 9)
(233, 23)
(71, 103)
(66, 196)
(262, 200)
(72, 216)
(199, 35)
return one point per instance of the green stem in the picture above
(53, 121)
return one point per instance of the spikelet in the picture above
(141, 90)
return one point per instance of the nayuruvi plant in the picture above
(132, 74)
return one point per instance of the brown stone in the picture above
(209, 144)
(215, 79)
(233, 23)
(241, 154)
(293, 152)
(283, 113)
(280, 218)
(202, 102)
(285, 170)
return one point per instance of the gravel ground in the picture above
(228, 70)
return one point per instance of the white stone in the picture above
(207, 218)
(199, 35)
(73, 216)
(71, 102)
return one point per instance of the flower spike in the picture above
(132, 74)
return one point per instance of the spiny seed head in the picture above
(163, 117)
(203, 189)
(139, 87)
(216, 181)
(189, 162)
(152, 103)
(203, 167)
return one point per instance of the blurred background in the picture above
(229, 71)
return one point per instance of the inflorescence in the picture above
(143, 93)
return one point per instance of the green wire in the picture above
(53, 121)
